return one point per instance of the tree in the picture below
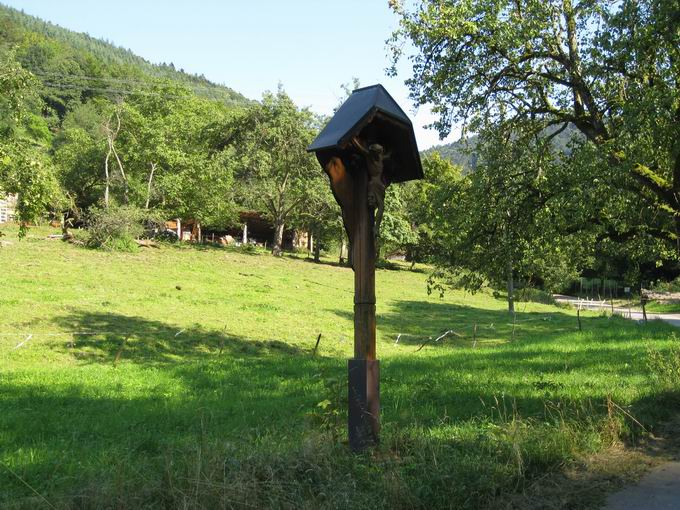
(612, 69)
(169, 164)
(397, 233)
(422, 199)
(173, 164)
(24, 168)
(111, 128)
(496, 224)
(269, 141)
(79, 153)
(319, 214)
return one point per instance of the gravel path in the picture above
(657, 490)
(671, 318)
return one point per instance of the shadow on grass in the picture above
(144, 341)
(416, 321)
(127, 426)
(228, 248)
(173, 394)
(302, 257)
(104, 446)
(382, 264)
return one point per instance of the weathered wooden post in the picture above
(367, 145)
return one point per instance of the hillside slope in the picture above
(460, 153)
(463, 153)
(75, 66)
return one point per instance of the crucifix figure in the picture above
(375, 157)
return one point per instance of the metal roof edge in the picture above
(381, 87)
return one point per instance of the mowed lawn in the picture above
(185, 377)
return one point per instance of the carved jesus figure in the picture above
(375, 157)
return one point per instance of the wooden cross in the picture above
(360, 191)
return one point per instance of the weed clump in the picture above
(117, 228)
(665, 366)
(534, 295)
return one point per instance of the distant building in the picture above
(254, 227)
(8, 204)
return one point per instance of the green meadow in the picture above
(186, 377)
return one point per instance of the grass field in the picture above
(658, 307)
(184, 378)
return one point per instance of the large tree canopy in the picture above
(274, 170)
(612, 69)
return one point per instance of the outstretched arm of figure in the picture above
(359, 146)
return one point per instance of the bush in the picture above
(665, 366)
(115, 228)
(672, 286)
(248, 248)
(530, 294)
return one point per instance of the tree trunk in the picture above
(317, 252)
(343, 247)
(179, 230)
(244, 239)
(108, 179)
(676, 185)
(126, 198)
(277, 246)
(511, 288)
(310, 243)
(148, 186)
(64, 225)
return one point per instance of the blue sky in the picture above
(310, 46)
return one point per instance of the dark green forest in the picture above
(76, 65)
(101, 128)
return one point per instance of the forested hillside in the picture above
(75, 65)
(95, 135)
(461, 152)
(464, 153)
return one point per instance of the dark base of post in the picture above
(364, 403)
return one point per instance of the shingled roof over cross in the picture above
(373, 115)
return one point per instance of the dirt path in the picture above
(671, 318)
(657, 490)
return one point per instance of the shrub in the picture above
(248, 248)
(672, 286)
(534, 295)
(665, 366)
(115, 228)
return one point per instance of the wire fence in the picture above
(473, 332)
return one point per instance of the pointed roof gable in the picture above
(373, 111)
